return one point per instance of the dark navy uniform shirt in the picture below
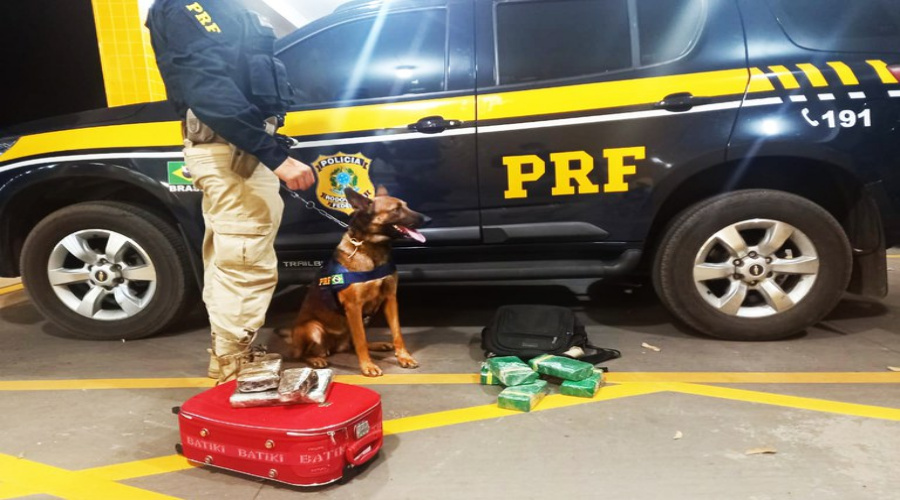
(204, 50)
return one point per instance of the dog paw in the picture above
(370, 370)
(317, 362)
(381, 346)
(407, 361)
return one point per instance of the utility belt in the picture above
(195, 132)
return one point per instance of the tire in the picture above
(752, 265)
(118, 271)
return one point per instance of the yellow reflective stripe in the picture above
(612, 94)
(813, 74)
(881, 68)
(112, 136)
(376, 116)
(396, 116)
(759, 81)
(844, 73)
(785, 77)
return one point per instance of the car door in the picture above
(385, 96)
(588, 108)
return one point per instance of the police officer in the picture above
(216, 59)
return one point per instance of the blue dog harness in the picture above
(333, 277)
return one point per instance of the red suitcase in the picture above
(301, 445)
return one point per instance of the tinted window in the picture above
(403, 53)
(667, 28)
(560, 39)
(849, 25)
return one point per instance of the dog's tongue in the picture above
(411, 233)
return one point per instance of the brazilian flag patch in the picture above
(177, 174)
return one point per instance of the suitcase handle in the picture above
(354, 449)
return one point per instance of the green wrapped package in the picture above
(511, 371)
(523, 397)
(488, 378)
(586, 388)
(561, 367)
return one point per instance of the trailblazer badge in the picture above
(336, 172)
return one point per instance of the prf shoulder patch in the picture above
(203, 17)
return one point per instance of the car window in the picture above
(841, 25)
(539, 40)
(668, 28)
(399, 54)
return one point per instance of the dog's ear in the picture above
(381, 191)
(356, 200)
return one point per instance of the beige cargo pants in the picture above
(242, 218)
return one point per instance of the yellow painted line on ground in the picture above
(465, 378)
(139, 468)
(111, 383)
(16, 490)
(26, 475)
(893, 256)
(487, 412)
(758, 377)
(797, 402)
(413, 378)
(11, 288)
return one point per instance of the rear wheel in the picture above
(752, 265)
(107, 270)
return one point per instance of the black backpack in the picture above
(527, 331)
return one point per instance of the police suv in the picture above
(743, 153)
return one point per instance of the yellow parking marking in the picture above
(881, 68)
(20, 477)
(114, 383)
(813, 74)
(11, 288)
(801, 403)
(785, 77)
(844, 73)
(415, 378)
(139, 468)
(465, 378)
(487, 412)
(758, 377)
(26, 475)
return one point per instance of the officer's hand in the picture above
(296, 174)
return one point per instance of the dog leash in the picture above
(312, 206)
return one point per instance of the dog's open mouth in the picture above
(410, 233)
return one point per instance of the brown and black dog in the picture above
(331, 318)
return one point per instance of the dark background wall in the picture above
(50, 64)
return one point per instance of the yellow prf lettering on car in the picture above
(562, 163)
(517, 177)
(203, 17)
(617, 169)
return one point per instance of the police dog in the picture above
(334, 311)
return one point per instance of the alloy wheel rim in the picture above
(102, 275)
(756, 268)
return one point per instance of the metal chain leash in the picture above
(312, 206)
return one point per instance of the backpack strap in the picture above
(600, 355)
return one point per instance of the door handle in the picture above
(682, 101)
(434, 125)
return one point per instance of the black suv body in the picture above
(744, 154)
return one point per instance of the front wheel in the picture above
(107, 270)
(752, 265)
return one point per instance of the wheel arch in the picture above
(36, 193)
(830, 185)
